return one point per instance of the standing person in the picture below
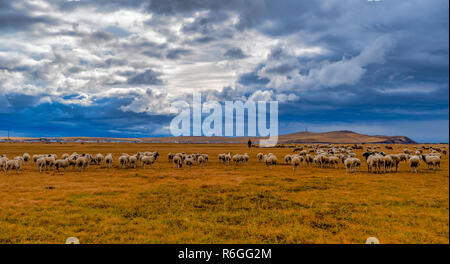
(249, 143)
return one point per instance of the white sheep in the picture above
(123, 161)
(82, 163)
(73, 160)
(170, 156)
(147, 160)
(41, 163)
(373, 163)
(333, 161)
(133, 161)
(35, 158)
(99, 159)
(221, 157)
(309, 159)
(352, 164)
(260, 156)
(50, 162)
(200, 160)
(236, 159)
(245, 157)
(271, 160)
(15, 164)
(3, 161)
(109, 160)
(432, 161)
(62, 163)
(178, 161)
(295, 161)
(205, 157)
(287, 159)
(388, 163)
(414, 163)
(26, 157)
(189, 162)
(227, 158)
(396, 158)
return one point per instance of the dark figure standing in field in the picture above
(249, 143)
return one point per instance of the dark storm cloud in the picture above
(142, 45)
(206, 24)
(402, 79)
(174, 54)
(99, 36)
(235, 53)
(148, 77)
(205, 39)
(16, 21)
(252, 78)
(281, 69)
(99, 5)
(18, 101)
(12, 18)
(182, 6)
(61, 120)
(110, 62)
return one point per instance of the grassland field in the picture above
(216, 203)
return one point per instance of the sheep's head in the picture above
(367, 154)
(423, 157)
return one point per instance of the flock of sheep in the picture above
(377, 161)
(138, 159)
(320, 156)
(226, 158)
(49, 162)
(189, 160)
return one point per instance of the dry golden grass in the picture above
(217, 203)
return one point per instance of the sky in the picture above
(113, 68)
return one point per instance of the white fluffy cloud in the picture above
(284, 73)
(269, 95)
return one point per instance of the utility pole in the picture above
(8, 134)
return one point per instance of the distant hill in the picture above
(344, 137)
(336, 137)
